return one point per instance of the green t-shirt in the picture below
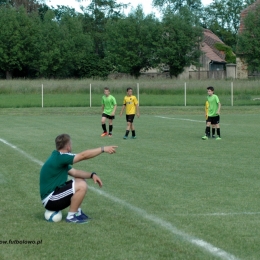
(213, 105)
(109, 104)
(54, 172)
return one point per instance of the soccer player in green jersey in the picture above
(213, 113)
(57, 193)
(213, 127)
(108, 112)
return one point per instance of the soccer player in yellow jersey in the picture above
(130, 104)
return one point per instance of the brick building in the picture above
(242, 69)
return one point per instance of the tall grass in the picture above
(153, 91)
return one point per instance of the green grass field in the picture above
(166, 195)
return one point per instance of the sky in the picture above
(147, 4)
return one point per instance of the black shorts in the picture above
(60, 198)
(214, 120)
(130, 118)
(108, 116)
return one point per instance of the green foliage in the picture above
(179, 6)
(222, 17)
(132, 42)
(60, 43)
(51, 44)
(227, 36)
(179, 44)
(29, 5)
(230, 57)
(16, 36)
(41, 42)
(248, 41)
(96, 16)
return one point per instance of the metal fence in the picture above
(216, 74)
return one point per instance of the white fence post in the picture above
(138, 98)
(89, 95)
(42, 95)
(232, 94)
(185, 94)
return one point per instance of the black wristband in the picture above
(102, 149)
(91, 176)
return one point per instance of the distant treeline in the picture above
(37, 41)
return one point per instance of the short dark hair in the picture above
(61, 141)
(128, 89)
(210, 88)
(106, 88)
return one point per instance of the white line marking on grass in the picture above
(167, 225)
(22, 152)
(185, 119)
(182, 119)
(218, 214)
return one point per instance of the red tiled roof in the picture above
(208, 46)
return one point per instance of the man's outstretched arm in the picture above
(87, 154)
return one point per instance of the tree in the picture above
(63, 49)
(29, 5)
(179, 43)
(132, 42)
(178, 5)
(222, 17)
(190, 9)
(69, 51)
(248, 41)
(48, 52)
(15, 40)
(96, 15)
(78, 51)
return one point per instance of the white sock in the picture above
(70, 215)
(79, 211)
